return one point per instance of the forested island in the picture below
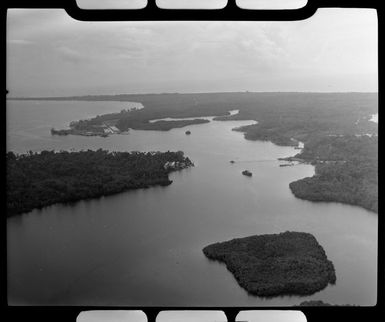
(36, 180)
(336, 130)
(289, 263)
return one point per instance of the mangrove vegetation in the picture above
(36, 180)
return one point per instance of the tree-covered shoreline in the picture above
(346, 171)
(36, 180)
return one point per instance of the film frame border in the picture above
(231, 12)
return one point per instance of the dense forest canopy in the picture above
(35, 180)
(276, 264)
(341, 148)
(346, 171)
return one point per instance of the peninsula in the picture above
(346, 171)
(36, 180)
(117, 123)
(289, 263)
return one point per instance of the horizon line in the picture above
(187, 93)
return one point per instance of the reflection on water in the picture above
(144, 247)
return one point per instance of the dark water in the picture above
(144, 247)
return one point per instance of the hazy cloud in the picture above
(335, 50)
(19, 42)
(71, 55)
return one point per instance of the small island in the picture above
(247, 173)
(286, 164)
(289, 263)
(36, 180)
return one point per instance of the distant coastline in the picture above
(284, 118)
(124, 96)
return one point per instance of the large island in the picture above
(36, 180)
(289, 263)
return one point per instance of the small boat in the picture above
(188, 132)
(232, 161)
(247, 173)
(286, 165)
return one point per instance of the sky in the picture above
(51, 54)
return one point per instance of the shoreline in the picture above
(76, 180)
(288, 263)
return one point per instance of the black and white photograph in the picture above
(192, 163)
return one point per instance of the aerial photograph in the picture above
(192, 163)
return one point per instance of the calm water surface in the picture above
(144, 247)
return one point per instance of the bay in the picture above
(144, 247)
